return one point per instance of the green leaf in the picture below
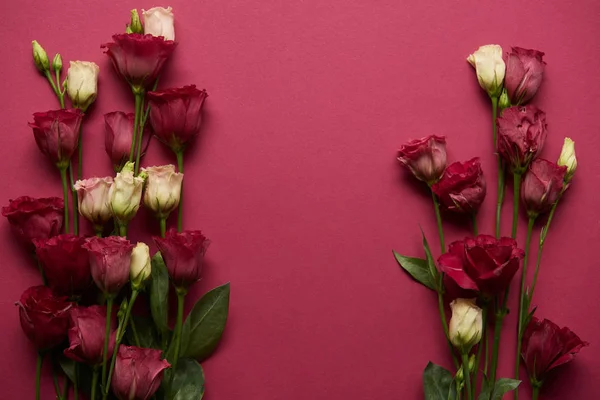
(73, 370)
(68, 367)
(204, 325)
(159, 296)
(486, 389)
(435, 275)
(188, 382)
(503, 386)
(438, 383)
(146, 333)
(418, 268)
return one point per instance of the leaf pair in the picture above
(422, 270)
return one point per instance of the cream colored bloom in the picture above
(92, 198)
(568, 159)
(125, 194)
(163, 189)
(82, 83)
(490, 68)
(141, 267)
(159, 21)
(466, 324)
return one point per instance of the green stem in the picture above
(501, 174)
(41, 269)
(65, 394)
(467, 375)
(541, 247)
(75, 202)
(178, 325)
(486, 342)
(123, 230)
(536, 393)
(482, 344)
(94, 383)
(497, 332)
(474, 219)
(120, 333)
(98, 230)
(516, 199)
(63, 177)
(109, 304)
(138, 152)
(136, 123)
(438, 218)
(522, 300)
(445, 327)
(179, 155)
(136, 338)
(163, 227)
(55, 381)
(60, 94)
(75, 384)
(38, 375)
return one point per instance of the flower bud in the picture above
(568, 159)
(135, 26)
(57, 63)
(504, 100)
(163, 189)
(125, 194)
(490, 68)
(140, 265)
(82, 83)
(466, 324)
(460, 378)
(40, 57)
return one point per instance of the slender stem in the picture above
(63, 177)
(501, 174)
(138, 152)
(467, 375)
(98, 230)
(109, 304)
(516, 199)
(497, 332)
(178, 325)
(522, 300)
(179, 155)
(65, 394)
(41, 269)
(60, 94)
(75, 202)
(120, 333)
(486, 342)
(94, 383)
(123, 230)
(438, 218)
(163, 226)
(80, 155)
(38, 375)
(541, 248)
(536, 393)
(136, 338)
(136, 123)
(445, 327)
(474, 219)
(482, 344)
(55, 380)
(75, 384)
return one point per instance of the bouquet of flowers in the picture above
(474, 274)
(81, 318)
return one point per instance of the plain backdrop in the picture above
(295, 180)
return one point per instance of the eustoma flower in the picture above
(44, 317)
(425, 157)
(159, 21)
(118, 137)
(568, 159)
(183, 253)
(542, 185)
(82, 83)
(163, 187)
(489, 67)
(547, 346)
(462, 187)
(483, 264)
(57, 134)
(92, 197)
(125, 194)
(110, 260)
(521, 135)
(466, 324)
(141, 268)
(32, 218)
(524, 73)
(86, 335)
(65, 263)
(138, 373)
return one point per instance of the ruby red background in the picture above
(295, 179)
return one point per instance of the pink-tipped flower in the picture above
(110, 260)
(138, 373)
(462, 188)
(118, 137)
(542, 185)
(57, 134)
(163, 189)
(32, 218)
(92, 197)
(87, 329)
(425, 157)
(524, 73)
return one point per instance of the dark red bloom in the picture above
(462, 188)
(32, 218)
(521, 135)
(44, 317)
(118, 137)
(139, 58)
(65, 263)
(138, 373)
(183, 254)
(110, 259)
(425, 157)
(87, 327)
(176, 114)
(57, 134)
(483, 264)
(542, 185)
(546, 346)
(524, 73)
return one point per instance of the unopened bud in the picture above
(568, 159)
(135, 26)
(504, 100)
(57, 63)
(40, 57)
(466, 324)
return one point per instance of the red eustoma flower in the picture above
(176, 114)
(183, 253)
(521, 135)
(57, 134)
(118, 137)
(426, 157)
(524, 73)
(462, 188)
(87, 328)
(110, 259)
(139, 58)
(542, 185)
(546, 346)
(138, 373)
(44, 317)
(483, 264)
(32, 218)
(65, 263)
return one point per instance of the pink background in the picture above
(296, 183)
